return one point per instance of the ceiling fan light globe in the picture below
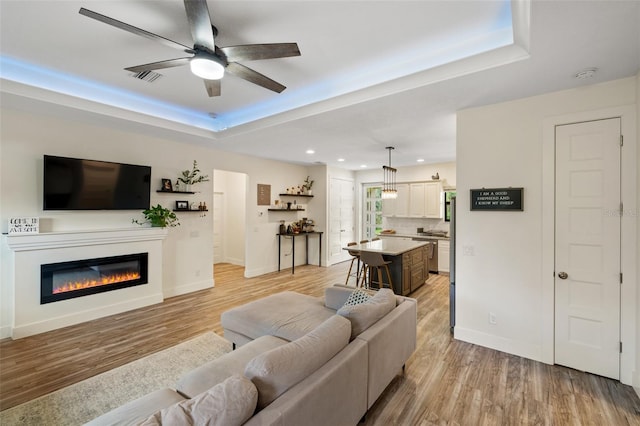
(206, 68)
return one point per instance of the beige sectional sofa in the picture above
(298, 360)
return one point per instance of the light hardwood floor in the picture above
(445, 382)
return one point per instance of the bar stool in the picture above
(374, 260)
(356, 257)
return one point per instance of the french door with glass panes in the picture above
(371, 211)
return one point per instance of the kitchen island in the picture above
(409, 262)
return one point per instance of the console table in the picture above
(293, 247)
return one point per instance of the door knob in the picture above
(563, 275)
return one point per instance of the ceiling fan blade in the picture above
(213, 87)
(200, 23)
(159, 65)
(253, 76)
(133, 30)
(254, 52)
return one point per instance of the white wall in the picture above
(502, 272)
(447, 172)
(188, 250)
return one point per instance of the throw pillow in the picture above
(231, 402)
(275, 371)
(357, 297)
(366, 314)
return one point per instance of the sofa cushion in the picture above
(357, 297)
(229, 403)
(275, 371)
(213, 372)
(288, 315)
(364, 315)
(336, 295)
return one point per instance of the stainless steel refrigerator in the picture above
(452, 265)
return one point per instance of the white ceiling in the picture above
(371, 74)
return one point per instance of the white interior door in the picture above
(341, 218)
(587, 263)
(218, 227)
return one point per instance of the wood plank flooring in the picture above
(447, 382)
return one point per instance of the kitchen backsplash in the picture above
(409, 225)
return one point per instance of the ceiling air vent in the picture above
(148, 76)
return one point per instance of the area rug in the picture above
(86, 400)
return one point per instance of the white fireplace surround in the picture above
(28, 252)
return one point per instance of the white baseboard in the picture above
(188, 288)
(234, 261)
(83, 316)
(250, 273)
(498, 343)
(5, 332)
(636, 382)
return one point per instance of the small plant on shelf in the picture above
(158, 216)
(308, 183)
(193, 176)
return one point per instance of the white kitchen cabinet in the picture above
(443, 256)
(417, 199)
(433, 200)
(398, 207)
(425, 200)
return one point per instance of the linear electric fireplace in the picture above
(66, 280)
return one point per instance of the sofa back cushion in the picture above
(229, 403)
(338, 294)
(363, 315)
(275, 371)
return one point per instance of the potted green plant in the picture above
(190, 177)
(308, 183)
(158, 216)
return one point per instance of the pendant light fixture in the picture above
(389, 190)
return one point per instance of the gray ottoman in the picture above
(288, 315)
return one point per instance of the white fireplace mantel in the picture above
(27, 253)
(51, 240)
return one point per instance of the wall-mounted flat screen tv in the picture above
(75, 184)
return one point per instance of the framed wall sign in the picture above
(497, 199)
(264, 195)
(182, 205)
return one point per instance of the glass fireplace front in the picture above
(66, 280)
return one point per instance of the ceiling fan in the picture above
(209, 61)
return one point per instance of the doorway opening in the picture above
(229, 217)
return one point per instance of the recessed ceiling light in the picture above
(363, 166)
(341, 159)
(310, 151)
(586, 73)
(420, 160)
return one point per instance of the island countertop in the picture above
(388, 246)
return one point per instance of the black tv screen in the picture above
(74, 184)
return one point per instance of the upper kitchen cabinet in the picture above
(399, 206)
(425, 200)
